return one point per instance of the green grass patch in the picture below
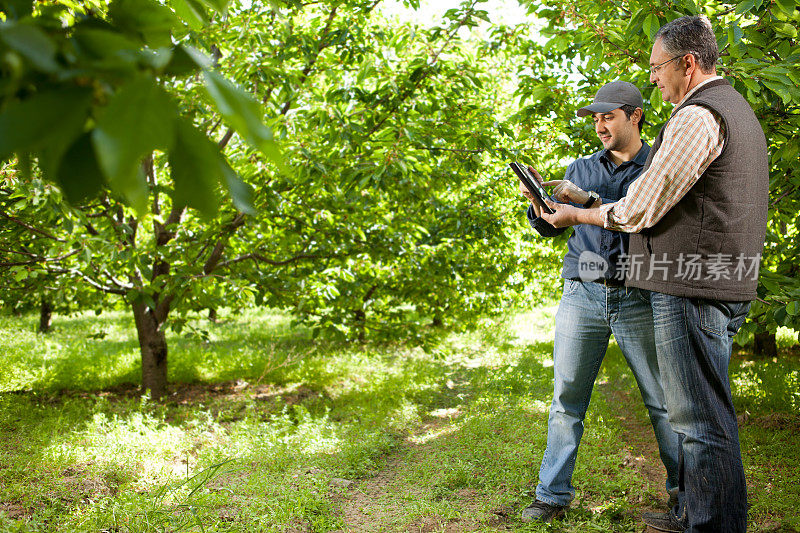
(265, 429)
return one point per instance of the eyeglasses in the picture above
(654, 69)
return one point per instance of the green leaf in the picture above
(787, 6)
(32, 43)
(103, 43)
(44, 119)
(793, 308)
(734, 34)
(241, 193)
(243, 113)
(780, 316)
(651, 26)
(79, 175)
(745, 6)
(16, 9)
(139, 119)
(751, 84)
(220, 6)
(789, 151)
(779, 89)
(784, 49)
(785, 28)
(182, 63)
(146, 19)
(691, 6)
(634, 25)
(192, 12)
(772, 286)
(20, 274)
(755, 52)
(196, 169)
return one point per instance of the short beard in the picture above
(617, 143)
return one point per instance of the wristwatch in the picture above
(593, 197)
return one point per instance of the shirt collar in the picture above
(641, 157)
(694, 90)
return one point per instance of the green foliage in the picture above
(399, 212)
(392, 213)
(72, 71)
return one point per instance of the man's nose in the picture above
(599, 126)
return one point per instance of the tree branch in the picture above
(87, 279)
(322, 46)
(30, 228)
(216, 254)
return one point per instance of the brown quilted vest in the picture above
(709, 244)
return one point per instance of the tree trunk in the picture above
(765, 344)
(45, 315)
(212, 314)
(153, 347)
(359, 322)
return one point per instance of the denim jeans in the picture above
(587, 315)
(693, 341)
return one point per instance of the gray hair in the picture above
(691, 35)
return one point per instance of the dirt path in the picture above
(640, 446)
(374, 504)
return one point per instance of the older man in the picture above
(700, 210)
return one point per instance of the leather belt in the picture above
(605, 281)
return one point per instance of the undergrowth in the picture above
(265, 429)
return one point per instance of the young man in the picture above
(595, 303)
(700, 207)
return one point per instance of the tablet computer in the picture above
(533, 185)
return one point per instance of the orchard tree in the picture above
(88, 102)
(395, 215)
(25, 286)
(387, 214)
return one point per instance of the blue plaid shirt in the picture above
(598, 173)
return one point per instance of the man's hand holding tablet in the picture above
(531, 187)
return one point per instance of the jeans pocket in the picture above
(570, 286)
(714, 317)
(641, 294)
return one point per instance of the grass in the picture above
(267, 430)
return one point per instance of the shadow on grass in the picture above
(88, 353)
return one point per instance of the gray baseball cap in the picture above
(612, 96)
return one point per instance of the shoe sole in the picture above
(558, 515)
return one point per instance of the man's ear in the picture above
(636, 116)
(691, 64)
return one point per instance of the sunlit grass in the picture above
(452, 434)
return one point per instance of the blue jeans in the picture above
(588, 314)
(693, 341)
